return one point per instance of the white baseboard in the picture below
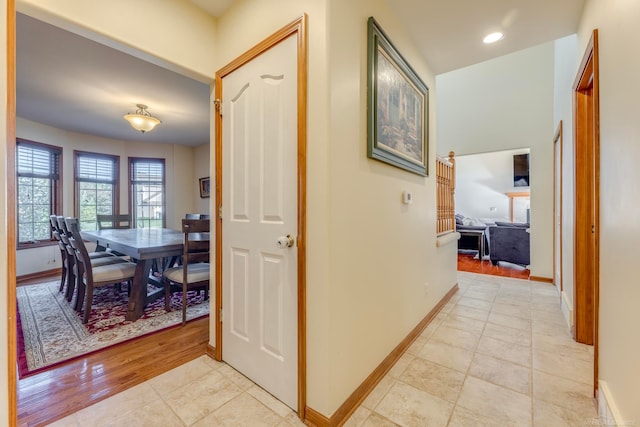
(567, 310)
(608, 413)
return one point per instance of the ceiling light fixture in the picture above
(493, 37)
(142, 120)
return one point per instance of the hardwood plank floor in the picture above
(466, 262)
(54, 394)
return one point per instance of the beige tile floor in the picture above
(498, 354)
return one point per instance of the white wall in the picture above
(617, 23)
(179, 170)
(201, 165)
(178, 35)
(382, 252)
(566, 62)
(481, 183)
(502, 104)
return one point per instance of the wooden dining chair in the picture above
(60, 232)
(108, 222)
(194, 273)
(66, 268)
(99, 258)
(65, 232)
(92, 273)
(112, 222)
(178, 260)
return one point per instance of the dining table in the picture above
(143, 245)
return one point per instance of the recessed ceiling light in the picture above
(493, 37)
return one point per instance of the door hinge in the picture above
(220, 314)
(220, 211)
(218, 104)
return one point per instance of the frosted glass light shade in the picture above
(141, 120)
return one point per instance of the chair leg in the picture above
(78, 284)
(75, 282)
(80, 296)
(184, 304)
(157, 266)
(170, 262)
(63, 278)
(167, 295)
(88, 303)
(117, 288)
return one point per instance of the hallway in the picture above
(497, 354)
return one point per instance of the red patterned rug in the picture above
(51, 332)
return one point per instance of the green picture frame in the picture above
(397, 106)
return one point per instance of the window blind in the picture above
(37, 162)
(38, 173)
(147, 171)
(96, 169)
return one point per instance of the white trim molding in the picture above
(608, 413)
(567, 310)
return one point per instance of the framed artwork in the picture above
(205, 187)
(397, 101)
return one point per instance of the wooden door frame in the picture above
(587, 199)
(557, 187)
(296, 28)
(11, 213)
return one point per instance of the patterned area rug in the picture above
(51, 332)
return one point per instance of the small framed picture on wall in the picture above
(205, 187)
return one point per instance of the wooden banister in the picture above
(445, 190)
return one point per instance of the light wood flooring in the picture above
(467, 262)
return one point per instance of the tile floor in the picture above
(498, 354)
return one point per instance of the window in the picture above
(96, 179)
(146, 177)
(39, 191)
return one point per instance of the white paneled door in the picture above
(259, 220)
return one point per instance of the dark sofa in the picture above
(509, 242)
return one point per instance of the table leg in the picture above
(138, 297)
(481, 248)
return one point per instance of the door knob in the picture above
(285, 241)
